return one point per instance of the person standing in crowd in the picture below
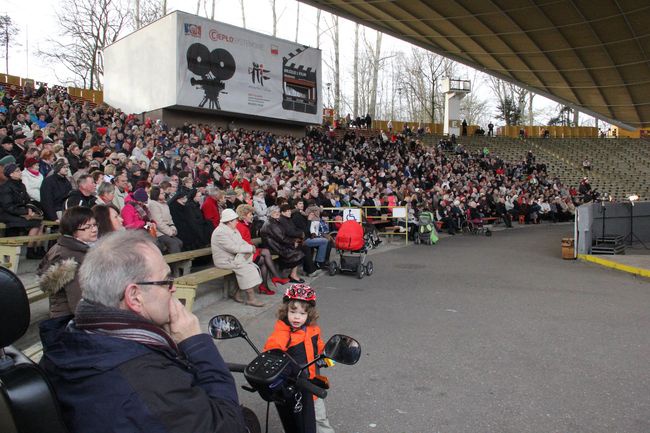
(59, 268)
(153, 367)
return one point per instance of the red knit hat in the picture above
(30, 161)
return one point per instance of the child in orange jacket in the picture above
(297, 333)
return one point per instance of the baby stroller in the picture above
(475, 226)
(352, 251)
(426, 229)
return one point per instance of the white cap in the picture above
(228, 215)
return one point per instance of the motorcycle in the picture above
(279, 379)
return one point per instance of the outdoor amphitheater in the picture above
(503, 280)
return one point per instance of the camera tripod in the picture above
(632, 237)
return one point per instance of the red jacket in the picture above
(245, 232)
(210, 211)
(302, 344)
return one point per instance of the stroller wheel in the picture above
(417, 240)
(361, 271)
(332, 268)
(369, 268)
(488, 232)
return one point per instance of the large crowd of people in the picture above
(175, 182)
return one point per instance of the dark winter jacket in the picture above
(274, 236)
(76, 198)
(59, 276)
(54, 190)
(111, 385)
(13, 198)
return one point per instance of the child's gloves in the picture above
(325, 362)
(321, 381)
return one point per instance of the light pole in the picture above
(329, 95)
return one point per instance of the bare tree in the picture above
(243, 13)
(297, 19)
(376, 63)
(337, 66)
(8, 32)
(317, 28)
(86, 27)
(198, 6)
(147, 11)
(164, 7)
(355, 73)
(212, 14)
(275, 17)
(511, 100)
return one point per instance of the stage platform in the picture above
(637, 263)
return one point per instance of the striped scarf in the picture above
(94, 318)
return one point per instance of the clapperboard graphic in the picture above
(299, 86)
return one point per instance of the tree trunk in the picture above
(137, 14)
(575, 117)
(375, 76)
(531, 95)
(318, 28)
(355, 101)
(198, 6)
(297, 19)
(243, 13)
(212, 15)
(337, 68)
(164, 7)
(275, 18)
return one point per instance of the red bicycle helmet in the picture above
(300, 292)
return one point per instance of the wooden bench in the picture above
(186, 285)
(34, 352)
(10, 248)
(184, 259)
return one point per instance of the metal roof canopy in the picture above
(592, 55)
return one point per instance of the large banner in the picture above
(222, 67)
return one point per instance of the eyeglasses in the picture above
(168, 283)
(88, 227)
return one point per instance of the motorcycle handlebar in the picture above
(236, 368)
(310, 387)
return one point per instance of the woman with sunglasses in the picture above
(58, 271)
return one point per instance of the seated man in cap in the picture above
(133, 358)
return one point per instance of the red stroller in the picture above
(352, 250)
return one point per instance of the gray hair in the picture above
(115, 261)
(105, 188)
(272, 209)
(212, 191)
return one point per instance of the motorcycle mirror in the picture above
(343, 349)
(224, 327)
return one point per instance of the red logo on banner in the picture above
(275, 50)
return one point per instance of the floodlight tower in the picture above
(454, 90)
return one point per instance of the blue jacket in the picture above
(107, 384)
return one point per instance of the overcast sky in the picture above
(37, 22)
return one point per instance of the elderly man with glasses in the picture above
(133, 358)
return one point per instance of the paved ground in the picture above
(482, 334)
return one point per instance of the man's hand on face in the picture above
(182, 323)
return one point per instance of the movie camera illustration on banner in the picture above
(214, 68)
(299, 85)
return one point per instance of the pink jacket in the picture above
(130, 216)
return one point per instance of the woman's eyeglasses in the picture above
(87, 227)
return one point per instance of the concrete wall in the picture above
(176, 117)
(618, 221)
(140, 69)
